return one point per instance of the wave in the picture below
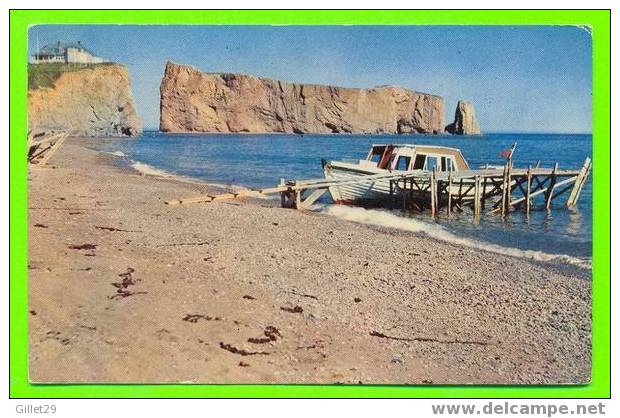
(116, 153)
(150, 170)
(390, 220)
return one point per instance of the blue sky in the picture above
(519, 78)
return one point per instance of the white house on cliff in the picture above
(65, 54)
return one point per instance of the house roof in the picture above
(59, 48)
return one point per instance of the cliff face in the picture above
(94, 101)
(464, 120)
(193, 101)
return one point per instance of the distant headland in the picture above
(195, 101)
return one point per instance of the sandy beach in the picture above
(124, 288)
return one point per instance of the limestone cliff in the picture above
(464, 120)
(193, 101)
(92, 101)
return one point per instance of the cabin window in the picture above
(448, 164)
(403, 163)
(418, 164)
(376, 154)
(432, 162)
(388, 157)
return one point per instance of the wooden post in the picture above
(484, 192)
(449, 208)
(433, 193)
(282, 194)
(509, 185)
(504, 189)
(549, 194)
(297, 197)
(579, 182)
(476, 197)
(528, 202)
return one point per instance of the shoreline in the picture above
(202, 288)
(558, 260)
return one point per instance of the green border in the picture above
(598, 20)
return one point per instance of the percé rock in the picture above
(193, 101)
(464, 120)
(93, 101)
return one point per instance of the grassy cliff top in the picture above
(44, 75)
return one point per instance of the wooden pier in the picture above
(493, 189)
(498, 190)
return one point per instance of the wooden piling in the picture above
(283, 193)
(509, 184)
(449, 207)
(528, 201)
(552, 181)
(579, 182)
(297, 197)
(484, 193)
(433, 190)
(476, 197)
(503, 204)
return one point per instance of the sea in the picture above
(258, 160)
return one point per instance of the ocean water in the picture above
(261, 160)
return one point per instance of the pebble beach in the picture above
(126, 289)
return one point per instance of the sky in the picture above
(519, 78)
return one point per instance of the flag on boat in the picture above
(507, 153)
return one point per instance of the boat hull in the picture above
(356, 193)
(376, 193)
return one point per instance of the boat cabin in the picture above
(410, 157)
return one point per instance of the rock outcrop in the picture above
(193, 101)
(464, 120)
(93, 101)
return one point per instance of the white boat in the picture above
(392, 158)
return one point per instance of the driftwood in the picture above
(42, 146)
